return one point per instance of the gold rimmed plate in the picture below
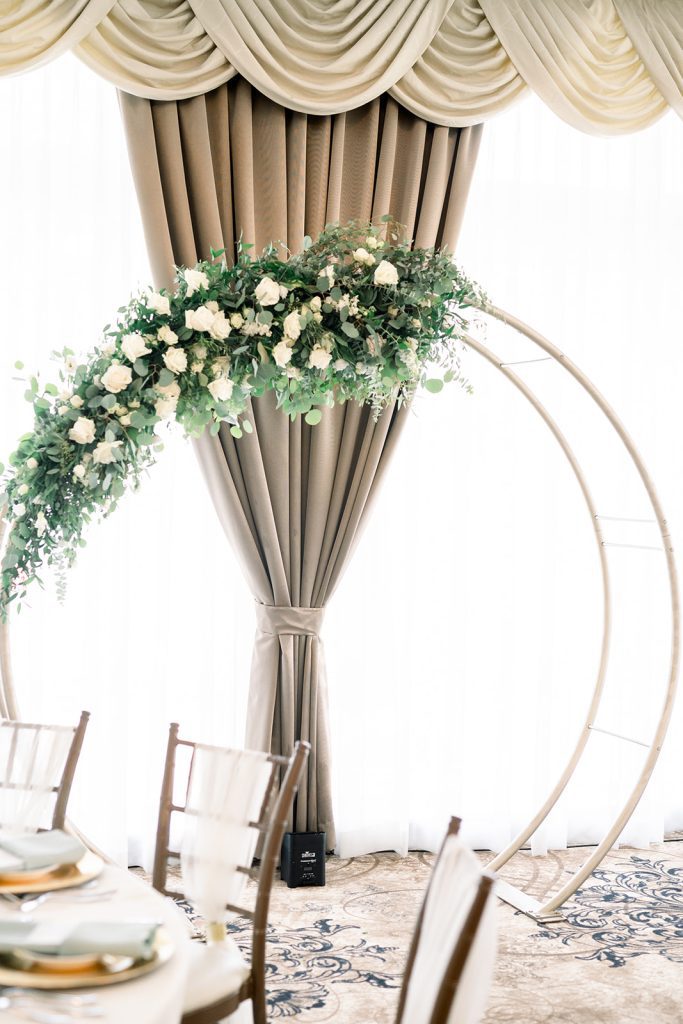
(65, 877)
(87, 971)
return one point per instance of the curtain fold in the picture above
(604, 66)
(292, 498)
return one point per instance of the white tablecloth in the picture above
(156, 998)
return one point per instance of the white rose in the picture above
(23, 489)
(195, 279)
(220, 366)
(133, 346)
(170, 391)
(117, 378)
(104, 452)
(159, 303)
(284, 292)
(220, 327)
(79, 471)
(83, 431)
(125, 420)
(166, 335)
(386, 273)
(76, 401)
(236, 320)
(340, 364)
(63, 410)
(372, 242)
(71, 365)
(175, 360)
(197, 367)
(199, 319)
(292, 326)
(41, 524)
(32, 463)
(328, 272)
(267, 292)
(319, 358)
(282, 353)
(19, 510)
(315, 303)
(221, 389)
(363, 256)
(108, 349)
(165, 407)
(199, 351)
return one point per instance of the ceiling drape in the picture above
(605, 66)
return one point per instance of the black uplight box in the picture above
(302, 861)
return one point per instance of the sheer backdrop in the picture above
(465, 635)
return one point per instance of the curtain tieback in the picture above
(282, 620)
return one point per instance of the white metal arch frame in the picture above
(548, 910)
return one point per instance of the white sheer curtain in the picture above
(465, 634)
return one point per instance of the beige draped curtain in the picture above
(605, 66)
(292, 498)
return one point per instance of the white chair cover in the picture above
(32, 760)
(453, 888)
(226, 789)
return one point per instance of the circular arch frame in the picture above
(547, 911)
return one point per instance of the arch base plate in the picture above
(526, 904)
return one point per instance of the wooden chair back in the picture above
(437, 1007)
(37, 765)
(285, 775)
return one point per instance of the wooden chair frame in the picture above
(63, 788)
(272, 824)
(461, 950)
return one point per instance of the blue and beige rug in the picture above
(336, 953)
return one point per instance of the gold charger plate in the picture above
(94, 976)
(65, 877)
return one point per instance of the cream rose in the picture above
(76, 401)
(116, 378)
(315, 303)
(159, 303)
(165, 407)
(199, 319)
(267, 292)
(282, 353)
(220, 327)
(166, 335)
(292, 326)
(19, 510)
(363, 256)
(32, 463)
(104, 452)
(236, 320)
(175, 360)
(372, 242)
(220, 366)
(22, 490)
(134, 347)
(63, 410)
(386, 273)
(195, 279)
(83, 431)
(79, 471)
(125, 419)
(319, 359)
(340, 364)
(170, 391)
(41, 524)
(221, 389)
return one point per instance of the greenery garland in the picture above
(358, 315)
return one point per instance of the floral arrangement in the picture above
(358, 315)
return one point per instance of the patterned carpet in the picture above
(337, 953)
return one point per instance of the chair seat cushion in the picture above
(215, 972)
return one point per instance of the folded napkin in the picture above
(118, 938)
(36, 850)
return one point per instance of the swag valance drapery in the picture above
(292, 498)
(605, 66)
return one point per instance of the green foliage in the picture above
(357, 315)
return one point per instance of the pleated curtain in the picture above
(292, 498)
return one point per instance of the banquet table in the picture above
(155, 998)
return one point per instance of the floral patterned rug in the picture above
(337, 953)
